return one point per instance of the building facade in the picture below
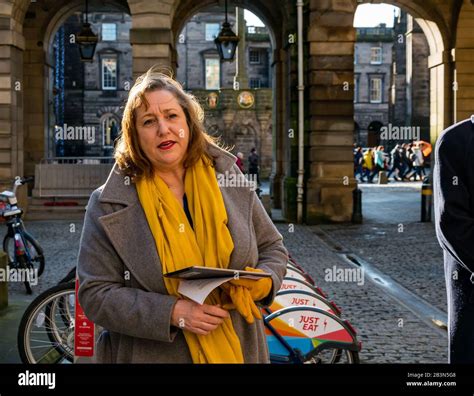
(328, 36)
(373, 58)
(220, 86)
(89, 96)
(391, 84)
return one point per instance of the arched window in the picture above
(110, 126)
(373, 138)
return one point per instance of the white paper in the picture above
(198, 289)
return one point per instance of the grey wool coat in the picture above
(121, 281)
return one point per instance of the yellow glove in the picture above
(241, 300)
(259, 289)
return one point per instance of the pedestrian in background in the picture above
(240, 161)
(396, 163)
(379, 162)
(253, 165)
(358, 159)
(417, 159)
(368, 164)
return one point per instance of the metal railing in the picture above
(70, 176)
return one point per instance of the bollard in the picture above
(426, 200)
(3, 282)
(357, 206)
(383, 179)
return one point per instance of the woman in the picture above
(368, 163)
(417, 160)
(240, 161)
(161, 210)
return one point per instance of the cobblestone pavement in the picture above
(389, 332)
(412, 257)
(394, 241)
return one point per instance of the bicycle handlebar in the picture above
(19, 181)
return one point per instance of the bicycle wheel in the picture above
(334, 356)
(44, 335)
(34, 250)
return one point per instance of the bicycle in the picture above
(308, 331)
(22, 249)
(46, 331)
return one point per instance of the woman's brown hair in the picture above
(129, 156)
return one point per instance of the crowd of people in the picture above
(405, 162)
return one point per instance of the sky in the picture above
(371, 15)
(367, 15)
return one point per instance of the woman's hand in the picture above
(197, 318)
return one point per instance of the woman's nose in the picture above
(163, 127)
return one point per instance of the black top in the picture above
(186, 210)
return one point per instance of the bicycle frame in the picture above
(16, 231)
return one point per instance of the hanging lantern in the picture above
(87, 40)
(226, 41)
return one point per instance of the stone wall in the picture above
(239, 128)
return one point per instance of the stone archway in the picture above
(40, 24)
(440, 61)
(276, 21)
(331, 39)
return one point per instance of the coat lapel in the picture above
(128, 231)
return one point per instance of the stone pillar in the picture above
(409, 70)
(279, 129)
(11, 97)
(331, 180)
(36, 92)
(464, 57)
(441, 93)
(241, 53)
(151, 35)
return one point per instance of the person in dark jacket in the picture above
(454, 212)
(253, 165)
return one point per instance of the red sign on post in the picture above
(83, 331)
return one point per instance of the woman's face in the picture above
(163, 131)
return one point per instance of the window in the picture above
(109, 73)
(251, 29)
(213, 72)
(376, 55)
(254, 56)
(109, 32)
(356, 54)
(212, 31)
(110, 130)
(255, 83)
(375, 90)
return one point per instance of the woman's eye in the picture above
(172, 116)
(148, 122)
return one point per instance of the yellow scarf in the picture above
(210, 245)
